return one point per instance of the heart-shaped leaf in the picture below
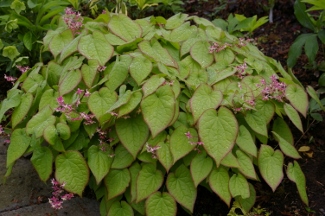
(133, 133)
(293, 116)
(149, 181)
(122, 26)
(161, 204)
(296, 175)
(201, 166)
(21, 111)
(238, 186)
(100, 101)
(120, 208)
(71, 169)
(164, 155)
(200, 53)
(158, 109)
(99, 162)
(116, 182)
(182, 141)
(140, 68)
(246, 166)
(204, 98)
(270, 164)
(69, 82)
(42, 161)
(122, 158)
(219, 183)
(245, 141)
(218, 132)
(180, 185)
(297, 97)
(40, 121)
(19, 142)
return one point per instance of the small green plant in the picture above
(237, 210)
(143, 111)
(314, 20)
(22, 25)
(240, 23)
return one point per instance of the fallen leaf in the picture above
(304, 149)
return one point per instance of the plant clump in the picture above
(143, 111)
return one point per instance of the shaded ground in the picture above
(274, 40)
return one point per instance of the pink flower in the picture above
(188, 135)
(73, 20)
(59, 196)
(87, 93)
(152, 150)
(23, 69)
(80, 91)
(10, 78)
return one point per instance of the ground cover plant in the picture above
(144, 111)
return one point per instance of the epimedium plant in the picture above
(143, 111)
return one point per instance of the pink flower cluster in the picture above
(10, 78)
(152, 150)
(73, 20)
(241, 70)
(59, 195)
(217, 47)
(23, 69)
(189, 136)
(274, 90)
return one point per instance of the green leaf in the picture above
(70, 82)
(63, 130)
(40, 121)
(302, 16)
(225, 56)
(13, 100)
(312, 93)
(204, 98)
(246, 166)
(311, 48)
(122, 99)
(71, 169)
(219, 183)
(259, 118)
(119, 72)
(122, 208)
(181, 33)
(100, 101)
(180, 185)
(157, 52)
(248, 203)
(175, 21)
(19, 142)
(230, 161)
(298, 98)
(22, 110)
(140, 68)
(149, 181)
(116, 182)
(296, 175)
(122, 158)
(51, 136)
(122, 26)
(165, 156)
(245, 141)
(158, 109)
(133, 102)
(200, 53)
(201, 166)
(99, 162)
(90, 72)
(282, 129)
(60, 41)
(161, 204)
(152, 84)
(286, 147)
(49, 98)
(238, 186)
(28, 40)
(42, 161)
(218, 132)
(180, 144)
(95, 46)
(133, 133)
(70, 48)
(134, 170)
(296, 48)
(293, 116)
(270, 164)
(32, 82)
(11, 52)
